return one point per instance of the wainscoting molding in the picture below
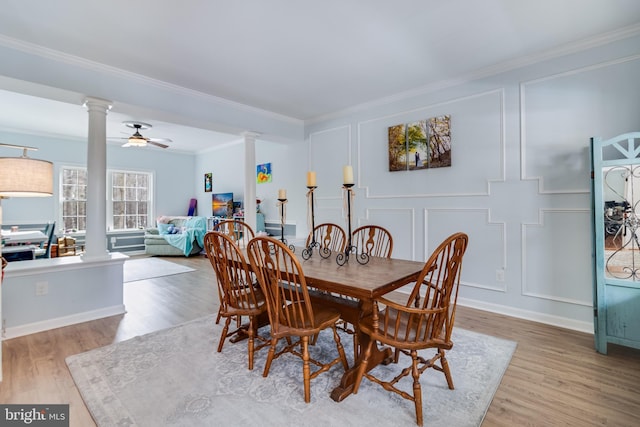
(559, 264)
(480, 245)
(423, 112)
(565, 126)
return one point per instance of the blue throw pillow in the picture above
(164, 228)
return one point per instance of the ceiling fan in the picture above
(137, 140)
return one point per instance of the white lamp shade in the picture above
(25, 177)
(135, 141)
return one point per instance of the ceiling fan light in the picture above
(135, 141)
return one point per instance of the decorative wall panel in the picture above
(560, 113)
(486, 254)
(556, 257)
(476, 133)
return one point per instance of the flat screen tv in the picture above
(222, 204)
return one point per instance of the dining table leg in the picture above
(378, 356)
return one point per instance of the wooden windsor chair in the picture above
(419, 325)
(240, 233)
(239, 295)
(291, 311)
(373, 240)
(328, 236)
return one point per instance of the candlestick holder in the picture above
(308, 251)
(343, 257)
(282, 203)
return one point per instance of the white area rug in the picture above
(175, 377)
(148, 268)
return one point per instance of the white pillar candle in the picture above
(311, 179)
(282, 193)
(347, 174)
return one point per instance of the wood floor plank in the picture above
(555, 378)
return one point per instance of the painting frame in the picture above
(208, 182)
(263, 173)
(420, 144)
(222, 205)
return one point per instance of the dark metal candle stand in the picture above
(308, 251)
(343, 257)
(282, 239)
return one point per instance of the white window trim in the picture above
(150, 191)
(108, 201)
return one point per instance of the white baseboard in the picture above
(134, 253)
(547, 319)
(45, 325)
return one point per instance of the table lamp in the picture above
(23, 177)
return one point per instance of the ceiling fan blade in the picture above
(157, 144)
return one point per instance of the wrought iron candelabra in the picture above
(282, 204)
(308, 251)
(343, 257)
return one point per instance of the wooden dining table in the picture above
(360, 284)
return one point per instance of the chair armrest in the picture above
(409, 310)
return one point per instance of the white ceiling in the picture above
(301, 59)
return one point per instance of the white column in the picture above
(96, 237)
(250, 178)
(1, 328)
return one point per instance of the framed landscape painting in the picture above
(439, 141)
(222, 204)
(422, 144)
(397, 148)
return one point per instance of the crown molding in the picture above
(77, 61)
(563, 50)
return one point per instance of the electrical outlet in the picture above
(42, 288)
(500, 275)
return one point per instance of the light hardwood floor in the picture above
(555, 377)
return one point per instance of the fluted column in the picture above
(96, 237)
(250, 178)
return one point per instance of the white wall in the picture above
(173, 175)
(51, 293)
(288, 166)
(519, 183)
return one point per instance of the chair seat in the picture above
(409, 338)
(244, 307)
(323, 317)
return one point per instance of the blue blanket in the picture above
(195, 229)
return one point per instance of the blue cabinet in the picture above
(616, 243)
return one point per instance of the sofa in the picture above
(176, 236)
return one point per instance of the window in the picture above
(129, 193)
(74, 199)
(130, 200)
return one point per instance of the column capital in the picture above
(93, 103)
(250, 135)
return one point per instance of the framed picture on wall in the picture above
(208, 177)
(422, 144)
(263, 173)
